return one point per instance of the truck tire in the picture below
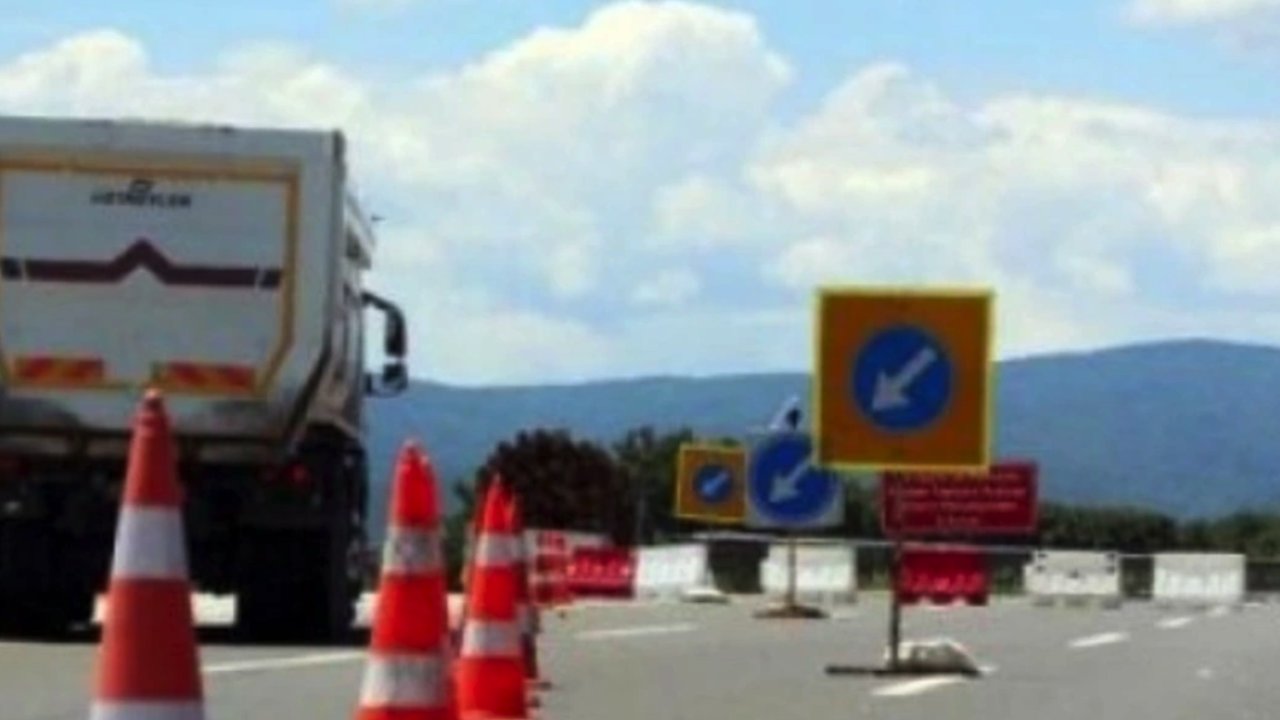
(34, 600)
(296, 589)
(302, 584)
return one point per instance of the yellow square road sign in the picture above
(903, 378)
(711, 483)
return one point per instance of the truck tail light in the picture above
(293, 473)
(10, 467)
(297, 474)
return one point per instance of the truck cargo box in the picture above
(219, 265)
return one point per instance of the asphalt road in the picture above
(709, 662)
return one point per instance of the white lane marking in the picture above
(1174, 623)
(915, 687)
(637, 631)
(282, 663)
(1205, 673)
(844, 615)
(1218, 611)
(1099, 639)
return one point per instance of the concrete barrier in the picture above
(1073, 578)
(670, 572)
(824, 575)
(1200, 579)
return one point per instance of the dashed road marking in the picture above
(907, 688)
(1174, 623)
(1090, 641)
(637, 631)
(282, 663)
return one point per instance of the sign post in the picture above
(786, 490)
(792, 602)
(903, 379)
(1001, 501)
(903, 382)
(895, 607)
(710, 483)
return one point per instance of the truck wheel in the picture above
(43, 616)
(296, 588)
(34, 600)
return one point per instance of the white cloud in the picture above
(912, 186)
(669, 287)
(1190, 12)
(1247, 259)
(620, 197)
(513, 345)
(1252, 26)
(702, 211)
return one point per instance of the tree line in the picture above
(625, 490)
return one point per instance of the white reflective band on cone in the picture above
(402, 681)
(497, 551)
(490, 639)
(150, 544)
(411, 552)
(147, 710)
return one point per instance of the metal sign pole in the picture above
(895, 576)
(791, 570)
(895, 606)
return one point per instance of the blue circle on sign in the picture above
(785, 486)
(902, 379)
(713, 484)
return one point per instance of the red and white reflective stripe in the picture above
(410, 551)
(490, 639)
(495, 551)
(147, 710)
(150, 544)
(403, 681)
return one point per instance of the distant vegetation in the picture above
(1149, 426)
(626, 492)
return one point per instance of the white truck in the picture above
(225, 267)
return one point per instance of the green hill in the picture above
(1188, 427)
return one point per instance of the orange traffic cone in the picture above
(407, 676)
(526, 611)
(148, 664)
(464, 573)
(490, 676)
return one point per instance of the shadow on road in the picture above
(206, 635)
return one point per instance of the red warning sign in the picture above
(1001, 501)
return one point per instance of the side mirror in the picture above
(395, 377)
(393, 380)
(397, 340)
(396, 344)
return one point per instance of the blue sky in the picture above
(578, 190)
(979, 47)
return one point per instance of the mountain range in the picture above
(1189, 427)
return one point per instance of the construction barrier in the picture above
(671, 571)
(825, 575)
(606, 572)
(942, 575)
(549, 573)
(1073, 578)
(578, 539)
(1199, 578)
